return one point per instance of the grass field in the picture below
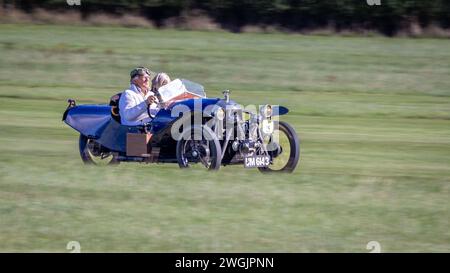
(373, 115)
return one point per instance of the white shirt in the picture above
(133, 107)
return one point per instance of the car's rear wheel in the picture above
(199, 144)
(92, 152)
(285, 152)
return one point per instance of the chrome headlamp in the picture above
(219, 113)
(266, 111)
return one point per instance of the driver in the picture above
(135, 101)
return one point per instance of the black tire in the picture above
(88, 158)
(294, 143)
(212, 142)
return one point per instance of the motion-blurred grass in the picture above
(373, 115)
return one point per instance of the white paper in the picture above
(171, 90)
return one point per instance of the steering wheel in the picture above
(157, 103)
(149, 112)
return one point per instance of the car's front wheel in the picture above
(285, 149)
(199, 144)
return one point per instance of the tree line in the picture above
(388, 18)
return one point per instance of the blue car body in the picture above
(95, 121)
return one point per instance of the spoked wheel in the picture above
(284, 148)
(92, 152)
(195, 147)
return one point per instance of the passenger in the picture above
(159, 80)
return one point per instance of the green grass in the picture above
(373, 115)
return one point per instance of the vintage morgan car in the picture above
(188, 129)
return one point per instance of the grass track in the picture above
(373, 115)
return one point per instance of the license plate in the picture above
(256, 161)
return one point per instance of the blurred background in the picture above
(368, 91)
(390, 17)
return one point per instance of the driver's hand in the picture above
(151, 100)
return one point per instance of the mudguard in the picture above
(278, 110)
